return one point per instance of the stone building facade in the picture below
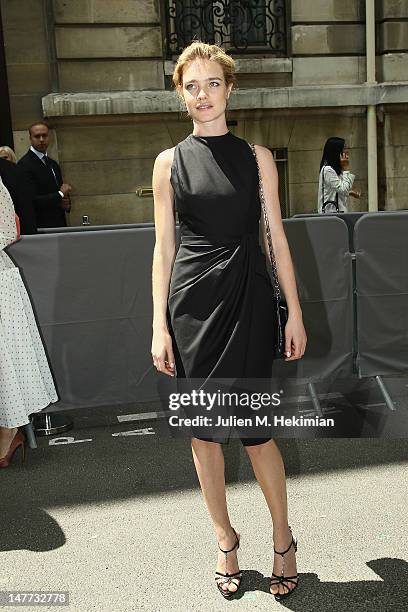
(100, 71)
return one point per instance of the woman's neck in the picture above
(210, 129)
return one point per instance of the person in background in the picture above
(8, 153)
(26, 383)
(335, 178)
(51, 194)
(20, 189)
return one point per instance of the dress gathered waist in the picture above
(190, 238)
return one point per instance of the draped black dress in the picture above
(220, 305)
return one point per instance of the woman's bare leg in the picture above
(6, 437)
(269, 471)
(209, 462)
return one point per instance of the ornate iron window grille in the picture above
(240, 26)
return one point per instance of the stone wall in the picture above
(394, 155)
(108, 163)
(107, 46)
(392, 34)
(28, 63)
(304, 135)
(328, 41)
(103, 46)
(392, 47)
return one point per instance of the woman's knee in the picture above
(257, 450)
(209, 445)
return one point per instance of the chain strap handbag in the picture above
(281, 308)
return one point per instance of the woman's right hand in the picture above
(344, 161)
(162, 352)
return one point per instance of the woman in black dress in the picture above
(213, 310)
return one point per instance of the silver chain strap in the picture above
(267, 229)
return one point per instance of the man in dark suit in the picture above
(51, 194)
(20, 190)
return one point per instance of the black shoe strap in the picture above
(235, 545)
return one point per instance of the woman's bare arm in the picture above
(163, 260)
(295, 336)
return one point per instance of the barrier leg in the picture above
(47, 424)
(387, 397)
(315, 399)
(29, 432)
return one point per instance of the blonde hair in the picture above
(201, 50)
(10, 155)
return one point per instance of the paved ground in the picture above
(119, 522)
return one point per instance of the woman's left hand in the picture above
(295, 338)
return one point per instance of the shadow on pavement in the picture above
(112, 468)
(388, 594)
(109, 468)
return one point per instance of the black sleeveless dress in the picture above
(221, 304)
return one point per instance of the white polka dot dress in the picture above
(26, 383)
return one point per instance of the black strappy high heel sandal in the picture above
(228, 578)
(282, 579)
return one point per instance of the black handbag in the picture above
(281, 307)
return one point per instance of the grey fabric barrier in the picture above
(91, 228)
(320, 253)
(381, 241)
(349, 218)
(92, 295)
